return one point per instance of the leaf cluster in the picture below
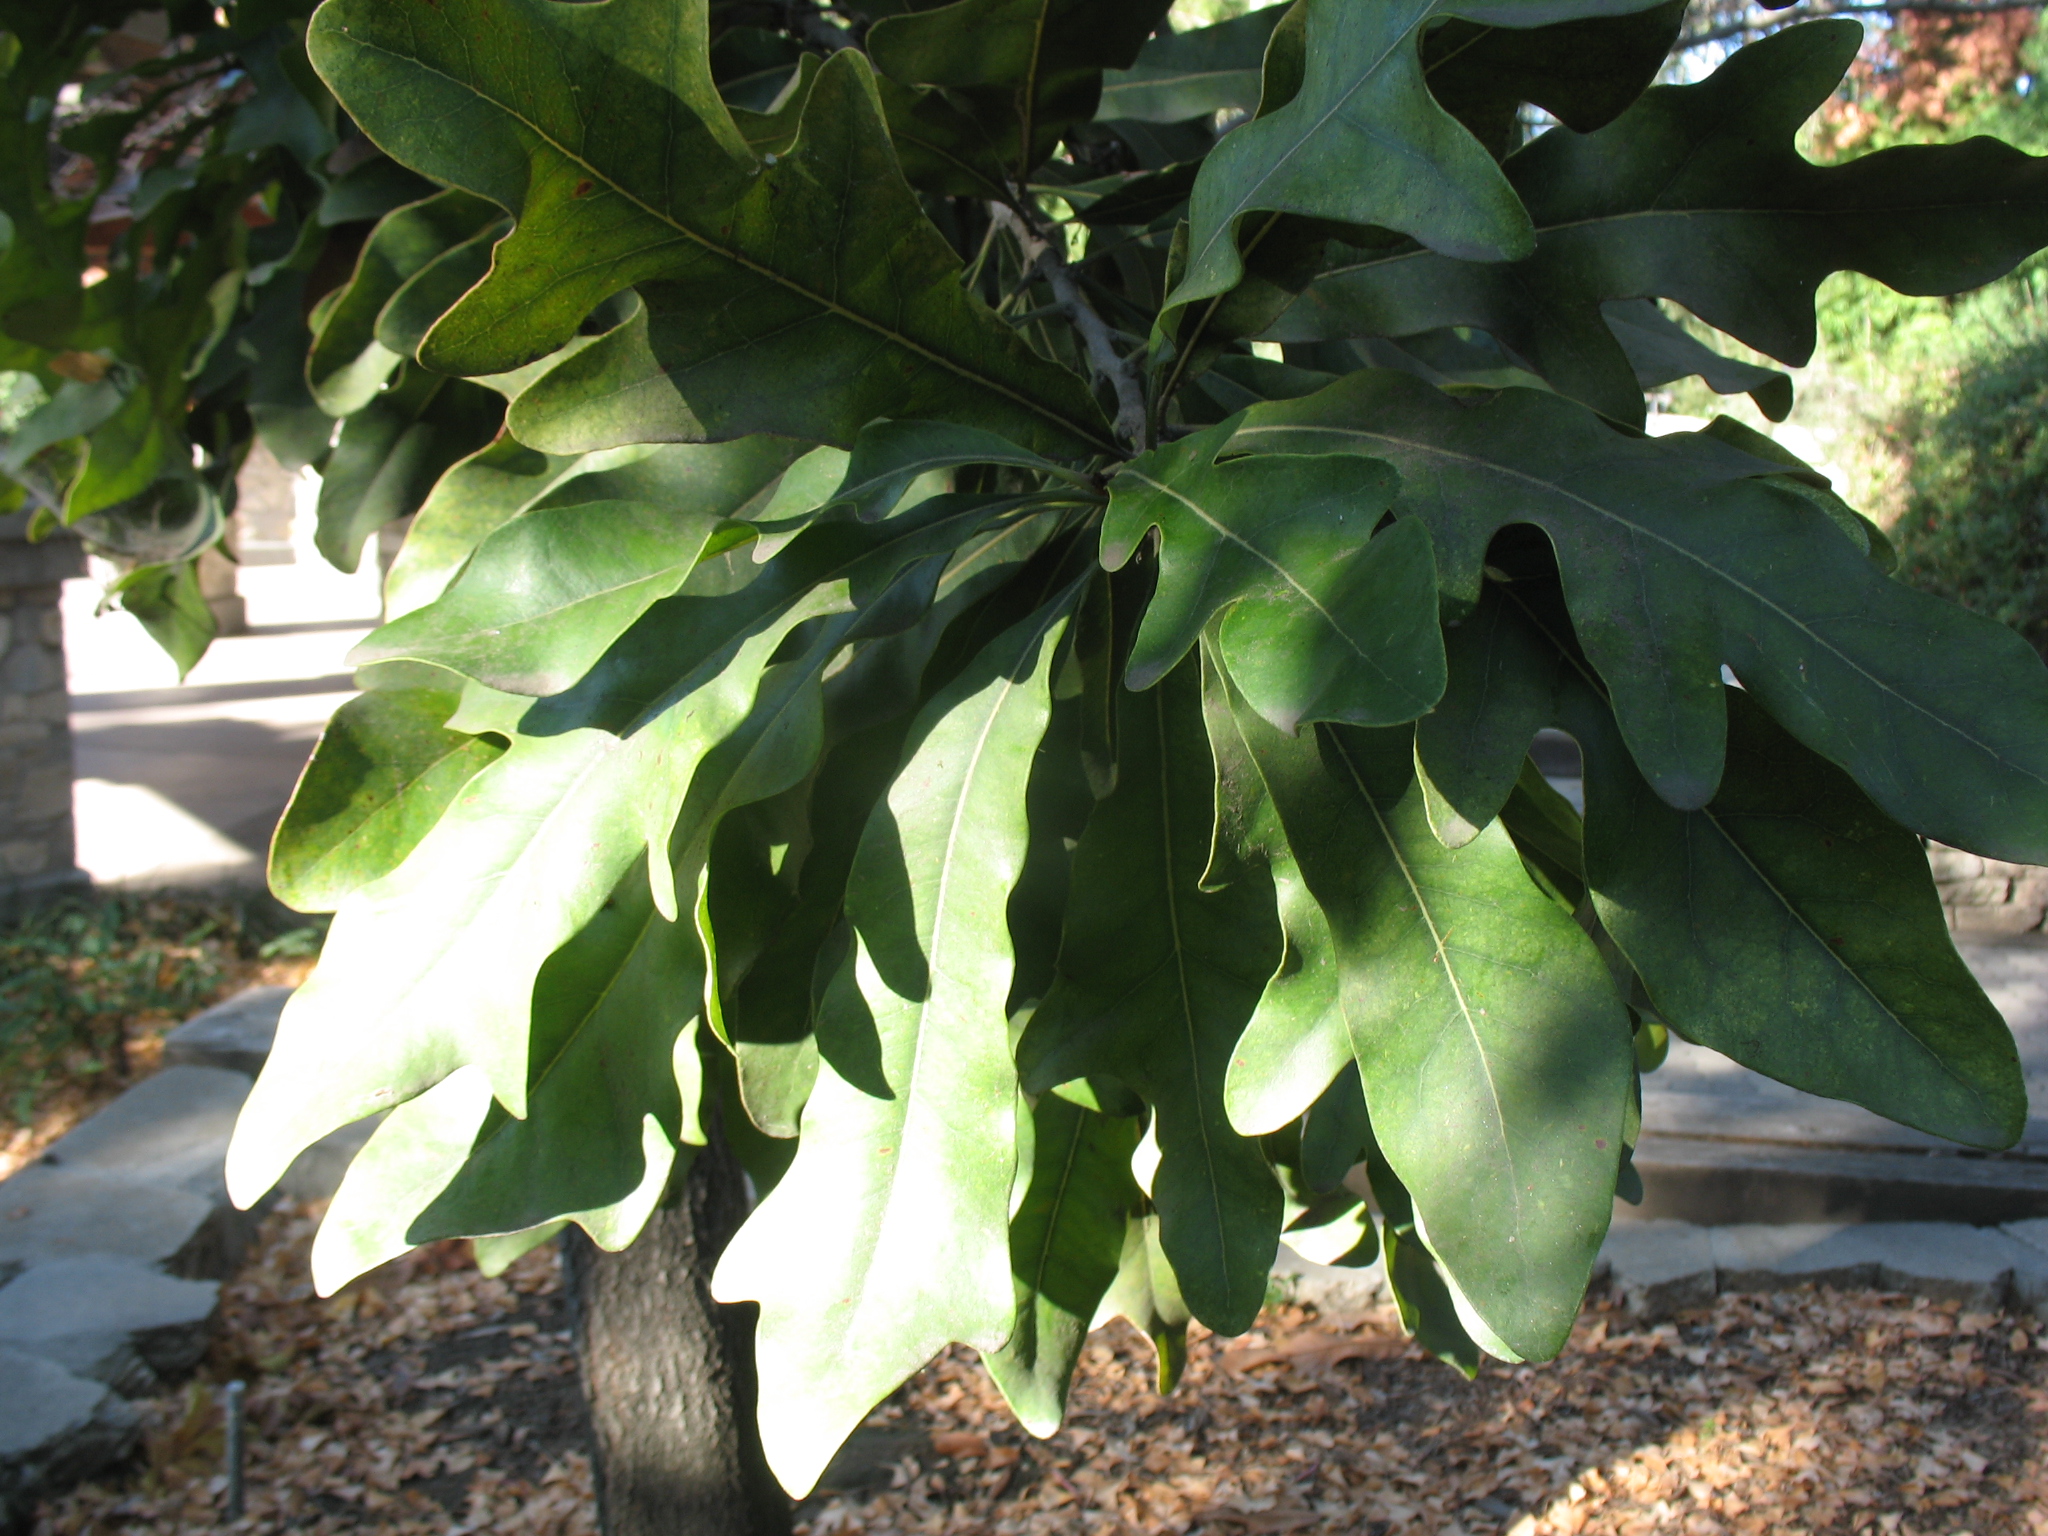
(996, 657)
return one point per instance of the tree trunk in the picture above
(669, 1373)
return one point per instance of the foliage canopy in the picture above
(996, 651)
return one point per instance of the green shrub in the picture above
(1975, 524)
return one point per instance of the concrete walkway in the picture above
(182, 784)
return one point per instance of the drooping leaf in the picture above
(505, 479)
(1324, 621)
(1584, 73)
(889, 1236)
(1179, 75)
(166, 600)
(1147, 1295)
(849, 303)
(1678, 560)
(1660, 350)
(545, 596)
(348, 365)
(889, 456)
(531, 850)
(392, 451)
(1066, 1245)
(1363, 98)
(1828, 963)
(1698, 194)
(612, 1089)
(385, 769)
(1021, 71)
(1157, 977)
(1494, 1055)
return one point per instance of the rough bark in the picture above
(669, 1373)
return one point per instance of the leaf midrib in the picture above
(1841, 961)
(1225, 225)
(767, 274)
(1494, 467)
(1185, 989)
(1274, 566)
(1443, 957)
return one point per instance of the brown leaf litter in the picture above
(429, 1399)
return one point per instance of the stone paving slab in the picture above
(112, 1320)
(56, 1428)
(1660, 1267)
(171, 1129)
(234, 1035)
(51, 1213)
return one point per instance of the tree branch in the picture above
(1722, 34)
(1044, 257)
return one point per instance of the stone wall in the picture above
(1986, 896)
(35, 731)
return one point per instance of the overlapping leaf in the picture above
(1066, 1246)
(1698, 194)
(1364, 100)
(1017, 72)
(1828, 964)
(1157, 978)
(385, 769)
(889, 1236)
(1324, 621)
(819, 271)
(1678, 560)
(1179, 75)
(1494, 1055)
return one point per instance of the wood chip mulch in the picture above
(428, 1399)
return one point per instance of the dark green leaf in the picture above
(1677, 560)
(1826, 962)
(1324, 621)
(1699, 194)
(848, 302)
(1066, 1245)
(1494, 1054)
(1157, 978)
(1179, 75)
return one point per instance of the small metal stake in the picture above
(234, 1452)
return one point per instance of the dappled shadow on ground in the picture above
(428, 1399)
(1787, 1413)
(234, 775)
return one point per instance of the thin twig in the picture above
(1044, 257)
(1734, 29)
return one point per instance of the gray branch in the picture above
(1044, 257)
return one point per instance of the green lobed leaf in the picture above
(392, 451)
(505, 479)
(1678, 560)
(612, 1087)
(1494, 1055)
(889, 1236)
(441, 954)
(385, 769)
(1828, 964)
(1157, 978)
(1363, 99)
(1584, 73)
(1066, 1247)
(1021, 72)
(1323, 621)
(544, 596)
(1699, 194)
(850, 303)
(348, 365)
(1179, 75)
